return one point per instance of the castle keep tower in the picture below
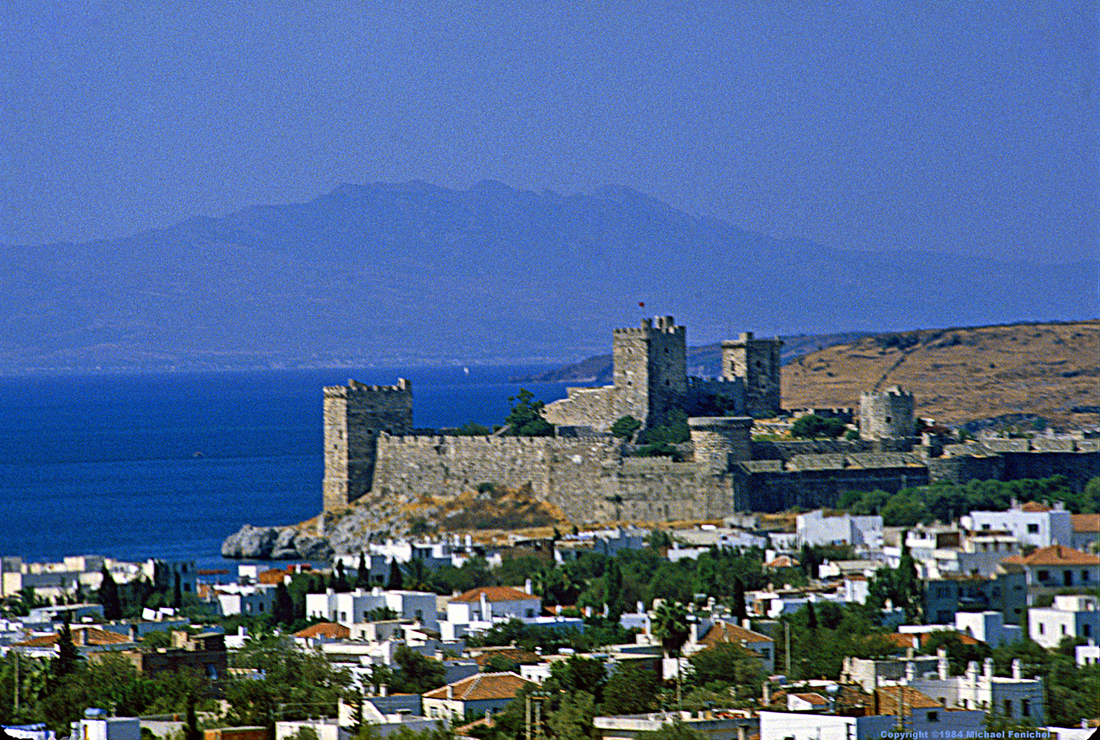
(886, 415)
(757, 363)
(650, 369)
(355, 414)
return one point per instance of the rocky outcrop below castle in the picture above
(275, 543)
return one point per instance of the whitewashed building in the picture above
(1070, 616)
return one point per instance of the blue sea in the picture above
(168, 465)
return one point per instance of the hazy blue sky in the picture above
(877, 125)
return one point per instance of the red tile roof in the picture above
(887, 700)
(727, 632)
(1086, 523)
(482, 686)
(494, 594)
(1054, 555)
(816, 699)
(919, 639)
(81, 636)
(325, 629)
(1034, 507)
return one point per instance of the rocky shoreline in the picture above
(275, 543)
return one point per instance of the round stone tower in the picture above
(721, 441)
(886, 415)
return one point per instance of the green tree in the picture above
(631, 690)
(625, 427)
(572, 720)
(472, 429)
(670, 625)
(726, 663)
(813, 426)
(108, 596)
(283, 609)
(416, 673)
(397, 581)
(68, 657)
(526, 420)
(675, 730)
(739, 610)
(362, 572)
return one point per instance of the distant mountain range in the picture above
(416, 274)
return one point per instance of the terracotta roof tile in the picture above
(1054, 555)
(727, 632)
(910, 698)
(494, 594)
(816, 699)
(920, 639)
(81, 636)
(1086, 523)
(325, 629)
(1034, 507)
(481, 687)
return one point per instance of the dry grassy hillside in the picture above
(961, 375)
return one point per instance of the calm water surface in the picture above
(136, 466)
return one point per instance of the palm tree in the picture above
(418, 576)
(670, 625)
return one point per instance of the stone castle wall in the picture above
(588, 479)
(353, 417)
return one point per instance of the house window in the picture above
(1067, 577)
(1043, 575)
(1086, 630)
(1033, 529)
(1084, 575)
(530, 613)
(1041, 628)
(933, 716)
(985, 526)
(1025, 707)
(1064, 631)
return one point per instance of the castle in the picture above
(373, 453)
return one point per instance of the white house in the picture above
(236, 599)
(1032, 524)
(356, 606)
(492, 604)
(1087, 654)
(1050, 569)
(989, 627)
(923, 722)
(1070, 616)
(1014, 697)
(862, 532)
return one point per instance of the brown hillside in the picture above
(961, 375)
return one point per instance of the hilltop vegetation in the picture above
(961, 375)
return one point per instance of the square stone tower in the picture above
(757, 363)
(650, 369)
(355, 415)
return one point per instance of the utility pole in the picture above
(787, 630)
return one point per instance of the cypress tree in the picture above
(284, 607)
(108, 596)
(341, 584)
(67, 654)
(177, 593)
(397, 581)
(739, 599)
(362, 572)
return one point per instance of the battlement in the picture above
(894, 390)
(355, 387)
(649, 327)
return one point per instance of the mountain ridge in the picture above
(414, 273)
